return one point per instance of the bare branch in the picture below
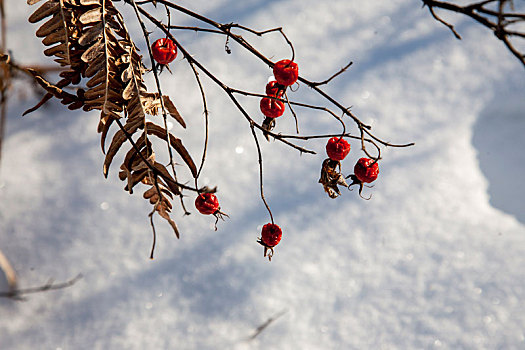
(498, 21)
(265, 325)
(18, 294)
(341, 71)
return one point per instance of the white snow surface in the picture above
(433, 261)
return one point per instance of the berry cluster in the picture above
(365, 170)
(123, 95)
(286, 73)
(208, 204)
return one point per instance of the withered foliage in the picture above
(331, 178)
(89, 39)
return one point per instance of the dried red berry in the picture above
(273, 88)
(271, 108)
(207, 203)
(337, 148)
(164, 50)
(286, 72)
(271, 235)
(366, 170)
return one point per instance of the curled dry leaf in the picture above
(331, 178)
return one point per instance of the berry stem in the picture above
(293, 112)
(154, 234)
(206, 121)
(259, 155)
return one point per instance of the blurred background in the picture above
(433, 261)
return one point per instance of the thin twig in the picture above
(18, 294)
(341, 71)
(265, 325)
(206, 120)
(5, 80)
(259, 156)
(293, 103)
(448, 25)
(293, 113)
(153, 231)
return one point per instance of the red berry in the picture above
(366, 170)
(286, 72)
(271, 235)
(164, 50)
(273, 88)
(271, 108)
(337, 148)
(207, 203)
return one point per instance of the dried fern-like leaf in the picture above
(72, 101)
(59, 29)
(162, 204)
(60, 34)
(90, 39)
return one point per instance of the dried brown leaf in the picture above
(58, 29)
(103, 127)
(172, 110)
(135, 178)
(163, 212)
(163, 207)
(175, 142)
(170, 182)
(91, 2)
(97, 79)
(58, 50)
(94, 51)
(91, 16)
(65, 97)
(91, 34)
(118, 140)
(47, 9)
(54, 38)
(95, 67)
(52, 25)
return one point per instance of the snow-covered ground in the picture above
(433, 261)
